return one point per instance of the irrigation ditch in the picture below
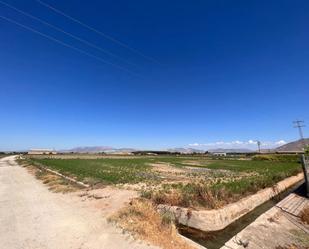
(217, 239)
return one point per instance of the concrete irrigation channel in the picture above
(217, 239)
(279, 227)
(212, 228)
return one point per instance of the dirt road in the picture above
(32, 217)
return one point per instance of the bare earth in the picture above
(32, 217)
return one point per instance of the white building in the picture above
(219, 153)
(41, 152)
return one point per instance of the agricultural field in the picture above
(189, 181)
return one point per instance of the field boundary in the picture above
(218, 219)
(80, 183)
(68, 178)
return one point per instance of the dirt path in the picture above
(32, 217)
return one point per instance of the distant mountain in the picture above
(98, 149)
(293, 146)
(186, 150)
(109, 149)
(191, 150)
(89, 149)
(126, 149)
(244, 150)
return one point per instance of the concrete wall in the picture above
(218, 219)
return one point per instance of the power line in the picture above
(97, 31)
(67, 33)
(66, 45)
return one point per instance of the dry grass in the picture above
(191, 195)
(304, 215)
(55, 183)
(173, 197)
(141, 219)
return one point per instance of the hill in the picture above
(293, 146)
(186, 150)
(98, 149)
(240, 150)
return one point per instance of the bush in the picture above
(216, 195)
(142, 220)
(276, 158)
(307, 150)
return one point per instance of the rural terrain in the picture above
(189, 181)
(36, 218)
(116, 194)
(154, 124)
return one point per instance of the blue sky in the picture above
(201, 73)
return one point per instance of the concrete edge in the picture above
(67, 178)
(218, 219)
(258, 223)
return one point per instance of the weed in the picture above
(141, 219)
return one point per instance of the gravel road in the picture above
(32, 217)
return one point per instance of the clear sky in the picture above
(183, 73)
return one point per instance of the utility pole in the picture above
(299, 124)
(304, 159)
(259, 145)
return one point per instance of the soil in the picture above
(33, 217)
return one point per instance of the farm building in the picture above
(219, 153)
(41, 152)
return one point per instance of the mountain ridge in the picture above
(293, 146)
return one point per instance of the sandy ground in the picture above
(32, 217)
(166, 168)
(107, 200)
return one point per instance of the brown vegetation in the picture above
(304, 215)
(141, 219)
(54, 182)
(195, 195)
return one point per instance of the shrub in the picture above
(276, 158)
(307, 150)
(142, 220)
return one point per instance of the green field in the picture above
(109, 171)
(132, 170)
(200, 180)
